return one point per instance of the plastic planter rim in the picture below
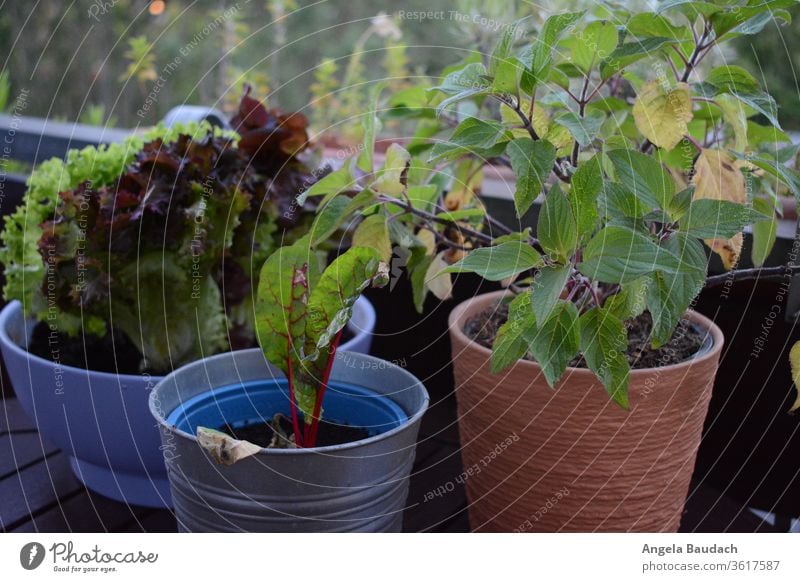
(413, 417)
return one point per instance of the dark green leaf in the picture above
(618, 254)
(644, 176)
(583, 129)
(603, 343)
(715, 218)
(764, 232)
(669, 295)
(548, 284)
(630, 301)
(515, 335)
(631, 52)
(471, 135)
(498, 262)
(540, 56)
(733, 79)
(532, 161)
(557, 229)
(557, 341)
(587, 182)
(620, 202)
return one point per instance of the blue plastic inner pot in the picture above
(258, 400)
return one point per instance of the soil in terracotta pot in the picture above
(685, 342)
(329, 433)
(110, 353)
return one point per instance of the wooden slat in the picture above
(84, 512)
(437, 471)
(35, 490)
(13, 418)
(21, 449)
(708, 511)
(155, 521)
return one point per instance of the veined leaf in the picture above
(631, 52)
(557, 228)
(669, 295)
(587, 182)
(662, 114)
(618, 254)
(715, 218)
(644, 176)
(393, 178)
(583, 129)
(794, 361)
(515, 335)
(330, 304)
(557, 341)
(764, 232)
(373, 233)
(498, 262)
(717, 177)
(603, 342)
(599, 38)
(472, 136)
(532, 161)
(285, 282)
(548, 284)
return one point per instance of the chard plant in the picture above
(640, 158)
(300, 315)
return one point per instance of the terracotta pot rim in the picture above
(456, 325)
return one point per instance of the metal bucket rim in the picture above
(413, 417)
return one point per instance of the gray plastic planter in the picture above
(102, 421)
(358, 486)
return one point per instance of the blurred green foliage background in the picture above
(113, 62)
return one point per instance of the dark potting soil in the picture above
(328, 433)
(113, 352)
(685, 342)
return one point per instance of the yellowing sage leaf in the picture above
(717, 177)
(437, 279)
(794, 362)
(662, 113)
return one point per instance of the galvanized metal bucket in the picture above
(358, 486)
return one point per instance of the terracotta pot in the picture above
(569, 459)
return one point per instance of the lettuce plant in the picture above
(159, 236)
(640, 156)
(300, 314)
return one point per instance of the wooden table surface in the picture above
(39, 493)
